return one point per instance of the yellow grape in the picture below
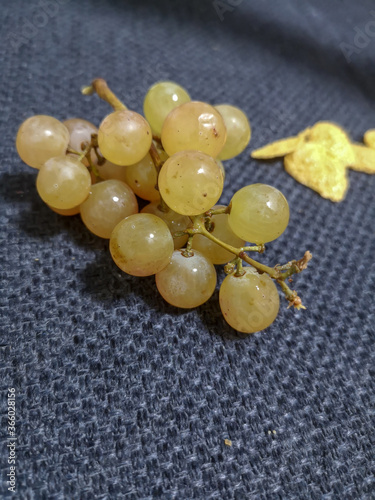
(141, 245)
(259, 213)
(147, 175)
(124, 137)
(108, 203)
(190, 182)
(40, 138)
(187, 281)
(194, 125)
(163, 155)
(222, 231)
(238, 131)
(66, 211)
(63, 182)
(176, 222)
(222, 168)
(80, 131)
(249, 303)
(111, 171)
(142, 178)
(159, 102)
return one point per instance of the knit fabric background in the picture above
(118, 394)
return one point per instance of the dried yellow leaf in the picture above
(364, 159)
(320, 156)
(369, 138)
(314, 165)
(279, 148)
(334, 139)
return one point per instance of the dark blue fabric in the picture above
(118, 395)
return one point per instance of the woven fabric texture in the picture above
(119, 395)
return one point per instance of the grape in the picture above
(40, 138)
(80, 131)
(214, 252)
(238, 131)
(259, 213)
(163, 155)
(111, 171)
(159, 102)
(66, 211)
(181, 174)
(190, 182)
(108, 203)
(124, 137)
(174, 221)
(187, 281)
(142, 178)
(250, 302)
(194, 125)
(222, 168)
(141, 244)
(63, 182)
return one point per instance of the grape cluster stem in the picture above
(280, 273)
(86, 153)
(100, 86)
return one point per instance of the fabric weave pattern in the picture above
(119, 395)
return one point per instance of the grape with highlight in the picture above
(259, 213)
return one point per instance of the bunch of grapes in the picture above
(172, 158)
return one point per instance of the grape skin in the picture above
(176, 222)
(259, 213)
(108, 203)
(222, 168)
(66, 211)
(141, 244)
(63, 182)
(214, 252)
(80, 131)
(124, 137)
(111, 171)
(40, 138)
(142, 178)
(160, 100)
(194, 126)
(187, 282)
(249, 303)
(238, 131)
(190, 182)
